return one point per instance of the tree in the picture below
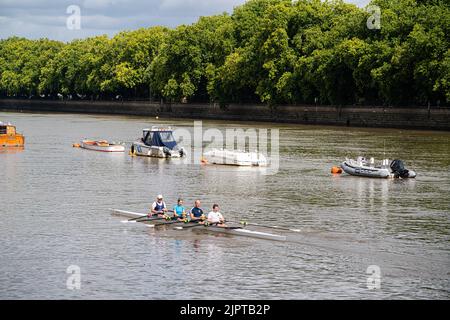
(266, 51)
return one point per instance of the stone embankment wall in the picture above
(355, 116)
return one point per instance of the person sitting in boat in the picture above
(159, 207)
(196, 213)
(179, 212)
(215, 217)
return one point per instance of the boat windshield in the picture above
(166, 137)
(148, 138)
(2, 130)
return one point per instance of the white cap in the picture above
(159, 196)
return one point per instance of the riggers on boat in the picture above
(235, 158)
(9, 137)
(363, 168)
(102, 146)
(157, 142)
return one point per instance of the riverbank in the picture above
(352, 116)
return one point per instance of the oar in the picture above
(206, 226)
(167, 223)
(245, 223)
(145, 218)
(196, 224)
(193, 225)
(142, 219)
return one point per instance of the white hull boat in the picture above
(102, 146)
(157, 143)
(363, 168)
(142, 150)
(235, 158)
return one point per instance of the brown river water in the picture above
(55, 200)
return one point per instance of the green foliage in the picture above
(21, 62)
(270, 51)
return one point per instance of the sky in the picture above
(36, 19)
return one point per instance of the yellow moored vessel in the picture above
(9, 137)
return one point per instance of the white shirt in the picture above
(215, 217)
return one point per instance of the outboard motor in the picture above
(398, 169)
(167, 152)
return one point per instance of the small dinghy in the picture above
(235, 158)
(102, 146)
(157, 142)
(363, 168)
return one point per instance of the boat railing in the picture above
(156, 128)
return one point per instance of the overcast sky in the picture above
(46, 18)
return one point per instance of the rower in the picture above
(215, 217)
(159, 207)
(196, 213)
(179, 212)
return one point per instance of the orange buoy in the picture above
(336, 170)
(204, 161)
(76, 145)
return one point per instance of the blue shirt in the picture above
(178, 210)
(197, 212)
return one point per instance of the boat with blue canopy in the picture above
(157, 142)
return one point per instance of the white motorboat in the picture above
(157, 142)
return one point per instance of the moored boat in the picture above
(9, 136)
(235, 158)
(367, 168)
(157, 142)
(102, 146)
(239, 231)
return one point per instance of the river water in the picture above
(54, 202)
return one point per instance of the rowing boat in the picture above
(238, 231)
(102, 146)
